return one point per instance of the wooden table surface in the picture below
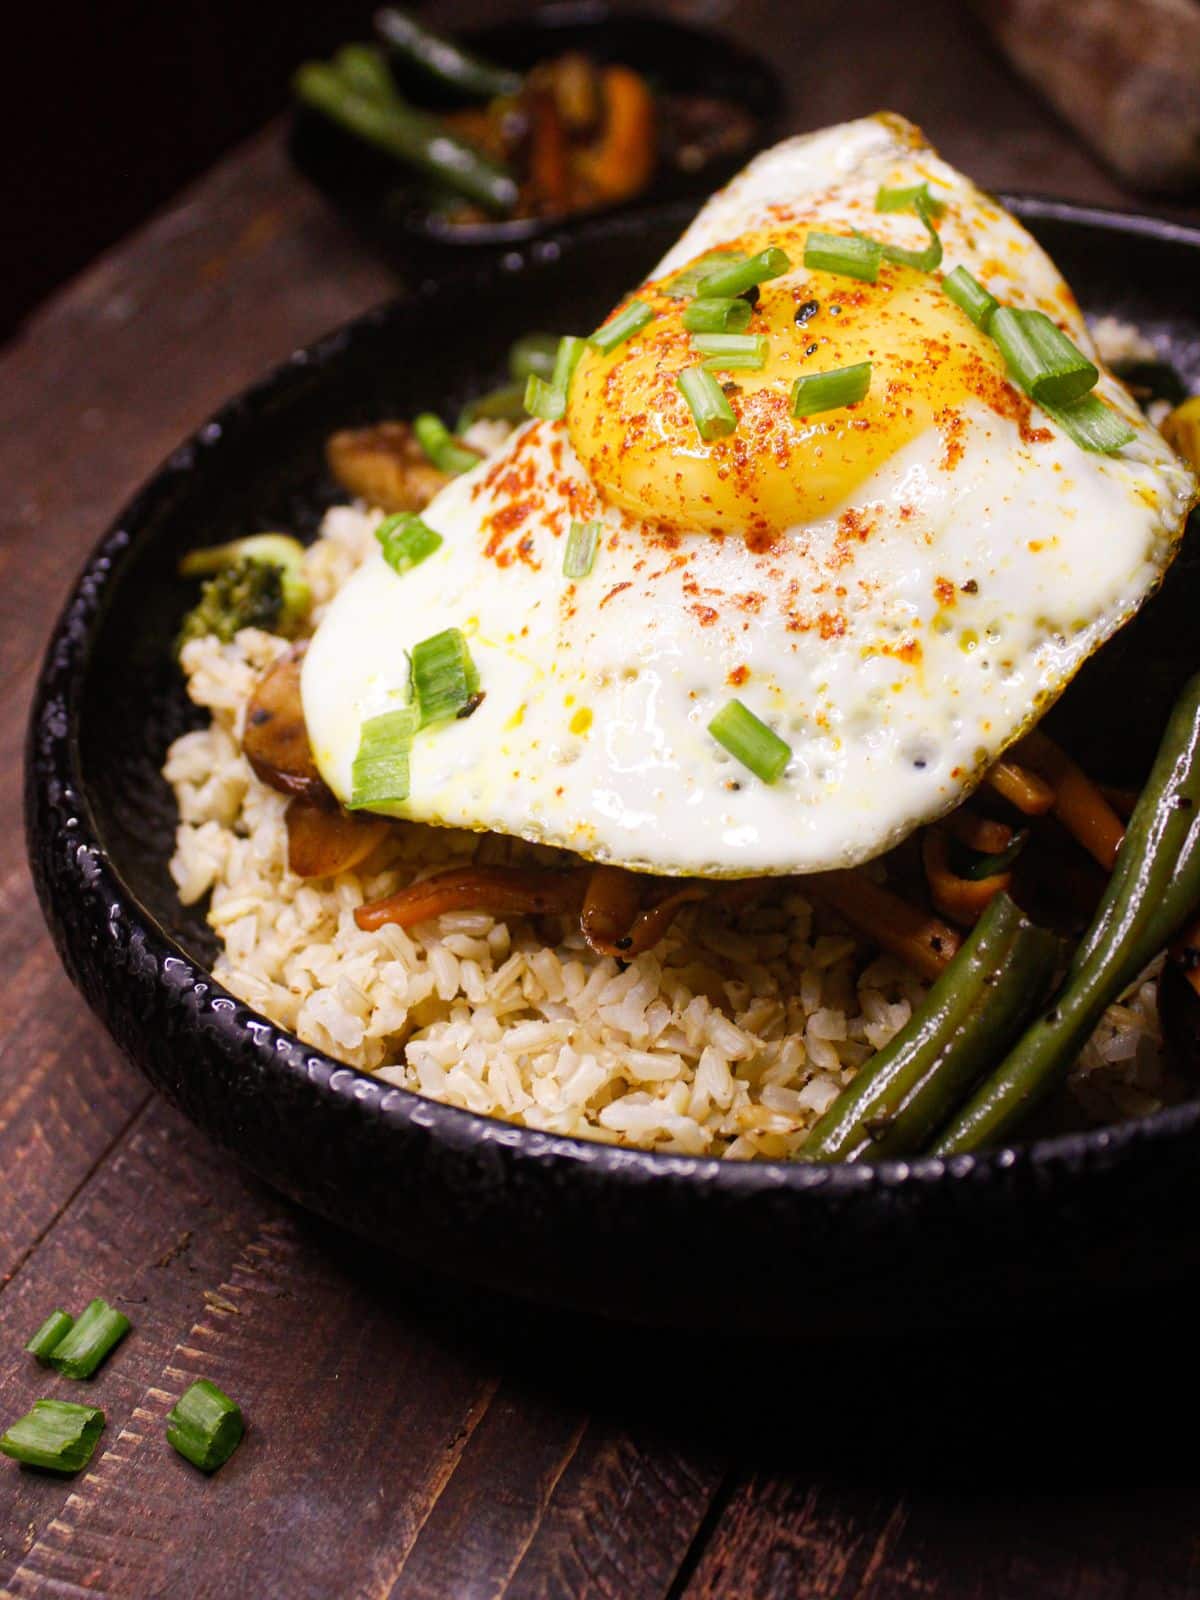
(408, 1439)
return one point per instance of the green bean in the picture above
(533, 353)
(365, 68)
(442, 59)
(1155, 887)
(999, 975)
(410, 135)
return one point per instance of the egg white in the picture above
(897, 667)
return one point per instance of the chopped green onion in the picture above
(98, 1330)
(205, 1426)
(442, 448)
(853, 257)
(445, 680)
(406, 540)
(975, 865)
(829, 391)
(51, 1333)
(970, 296)
(56, 1435)
(533, 353)
(1093, 425)
(718, 314)
(909, 200)
(686, 283)
(736, 277)
(732, 352)
(505, 404)
(1041, 358)
(750, 741)
(380, 772)
(580, 554)
(548, 400)
(623, 326)
(927, 260)
(706, 400)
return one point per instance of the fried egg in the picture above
(897, 588)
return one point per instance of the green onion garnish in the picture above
(970, 296)
(685, 284)
(1041, 358)
(909, 200)
(505, 404)
(718, 314)
(750, 741)
(1093, 425)
(853, 257)
(98, 1329)
(732, 352)
(442, 448)
(927, 260)
(533, 353)
(205, 1426)
(736, 277)
(580, 554)
(51, 1333)
(623, 326)
(706, 400)
(975, 865)
(829, 391)
(548, 400)
(380, 771)
(406, 540)
(444, 677)
(55, 1435)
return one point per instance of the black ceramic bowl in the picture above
(655, 1237)
(390, 208)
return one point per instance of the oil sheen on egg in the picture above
(897, 588)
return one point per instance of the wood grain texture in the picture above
(406, 1439)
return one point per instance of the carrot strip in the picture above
(979, 833)
(1078, 803)
(623, 160)
(501, 891)
(961, 899)
(921, 940)
(1021, 788)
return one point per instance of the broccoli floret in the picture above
(248, 594)
(257, 582)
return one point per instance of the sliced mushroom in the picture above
(322, 843)
(275, 738)
(385, 466)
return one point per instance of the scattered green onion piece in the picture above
(970, 296)
(849, 257)
(505, 404)
(205, 1426)
(51, 1333)
(718, 314)
(1041, 358)
(380, 772)
(442, 448)
(686, 283)
(548, 400)
(750, 741)
(829, 391)
(97, 1330)
(1092, 425)
(533, 353)
(736, 277)
(580, 555)
(732, 352)
(975, 865)
(444, 677)
(927, 260)
(706, 400)
(909, 200)
(406, 540)
(55, 1435)
(623, 326)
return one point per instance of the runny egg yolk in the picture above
(632, 429)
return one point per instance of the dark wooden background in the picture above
(408, 1439)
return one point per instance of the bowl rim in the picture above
(55, 786)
